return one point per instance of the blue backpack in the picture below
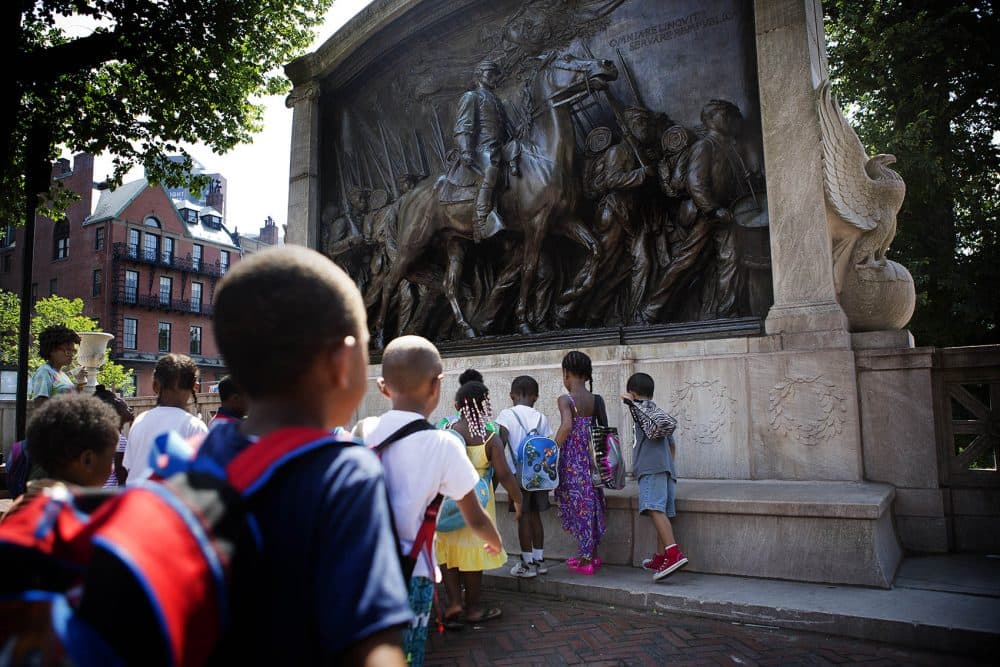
(536, 459)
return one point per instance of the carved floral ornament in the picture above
(810, 410)
(697, 426)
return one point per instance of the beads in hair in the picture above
(477, 413)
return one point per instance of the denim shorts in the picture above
(656, 492)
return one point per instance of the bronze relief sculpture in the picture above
(554, 201)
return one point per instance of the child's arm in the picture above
(673, 447)
(480, 522)
(378, 650)
(502, 470)
(566, 423)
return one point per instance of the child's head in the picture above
(73, 437)
(411, 374)
(117, 403)
(291, 326)
(231, 397)
(578, 365)
(640, 385)
(472, 400)
(174, 379)
(469, 375)
(524, 390)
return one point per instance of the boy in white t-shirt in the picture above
(174, 381)
(519, 419)
(420, 466)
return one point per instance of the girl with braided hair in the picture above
(581, 505)
(460, 552)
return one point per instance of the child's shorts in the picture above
(657, 492)
(532, 501)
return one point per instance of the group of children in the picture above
(335, 522)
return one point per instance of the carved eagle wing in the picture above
(861, 200)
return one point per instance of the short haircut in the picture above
(176, 371)
(65, 426)
(524, 385)
(228, 388)
(277, 311)
(54, 337)
(469, 375)
(408, 362)
(640, 384)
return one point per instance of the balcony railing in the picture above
(124, 252)
(154, 302)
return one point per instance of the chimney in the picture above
(215, 198)
(269, 232)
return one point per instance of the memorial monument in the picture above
(666, 185)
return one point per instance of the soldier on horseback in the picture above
(481, 131)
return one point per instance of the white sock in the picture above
(537, 555)
(526, 557)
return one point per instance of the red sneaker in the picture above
(653, 564)
(673, 560)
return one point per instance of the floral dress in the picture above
(462, 548)
(581, 505)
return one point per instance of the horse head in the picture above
(568, 77)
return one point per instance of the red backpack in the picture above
(133, 577)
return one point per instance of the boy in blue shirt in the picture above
(326, 586)
(654, 468)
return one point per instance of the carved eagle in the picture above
(863, 193)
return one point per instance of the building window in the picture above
(223, 262)
(131, 286)
(168, 251)
(60, 240)
(6, 262)
(99, 238)
(163, 337)
(196, 297)
(6, 236)
(196, 254)
(150, 247)
(98, 282)
(130, 332)
(166, 288)
(133, 243)
(150, 221)
(52, 286)
(195, 340)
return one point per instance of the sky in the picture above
(256, 173)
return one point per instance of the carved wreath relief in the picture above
(700, 426)
(811, 410)
(529, 166)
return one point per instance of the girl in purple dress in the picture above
(581, 505)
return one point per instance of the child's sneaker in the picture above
(523, 570)
(653, 564)
(673, 560)
(540, 566)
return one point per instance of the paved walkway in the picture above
(949, 603)
(541, 630)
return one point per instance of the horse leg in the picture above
(532, 252)
(575, 231)
(388, 288)
(456, 255)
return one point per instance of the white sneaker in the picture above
(540, 566)
(523, 570)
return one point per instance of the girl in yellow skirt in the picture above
(460, 553)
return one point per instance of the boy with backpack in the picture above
(422, 465)
(654, 468)
(326, 585)
(522, 420)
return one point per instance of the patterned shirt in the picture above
(48, 382)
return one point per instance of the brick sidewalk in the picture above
(536, 630)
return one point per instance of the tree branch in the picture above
(76, 56)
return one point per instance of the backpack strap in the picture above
(255, 465)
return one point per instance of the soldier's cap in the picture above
(637, 113)
(488, 65)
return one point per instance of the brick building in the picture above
(145, 265)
